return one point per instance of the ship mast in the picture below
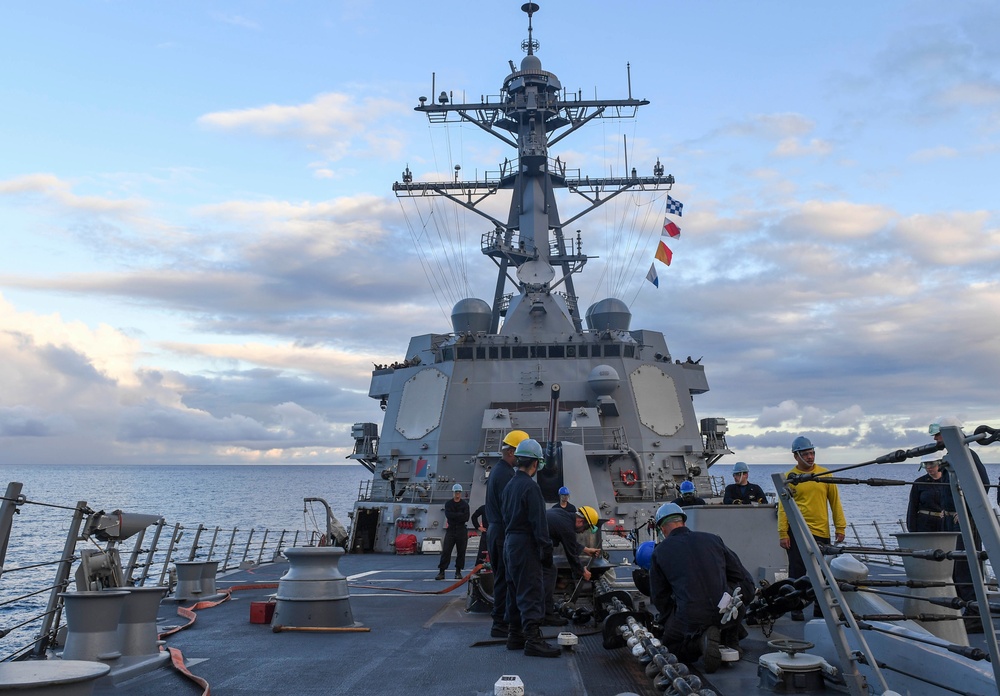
(531, 114)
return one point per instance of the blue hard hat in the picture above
(802, 443)
(529, 449)
(741, 468)
(687, 487)
(457, 488)
(668, 510)
(644, 554)
(564, 491)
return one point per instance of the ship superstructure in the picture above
(611, 405)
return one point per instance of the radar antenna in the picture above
(529, 46)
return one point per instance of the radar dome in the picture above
(471, 314)
(603, 380)
(609, 313)
(531, 62)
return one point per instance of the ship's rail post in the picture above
(881, 541)
(263, 543)
(194, 542)
(12, 500)
(148, 565)
(246, 549)
(46, 634)
(133, 558)
(174, 539)
(211, 547)
(281, 540)
(229, 550)
(857, 538)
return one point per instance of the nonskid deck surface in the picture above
(418, 644)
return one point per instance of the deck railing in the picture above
(30, 606)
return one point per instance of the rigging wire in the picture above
(421, 256)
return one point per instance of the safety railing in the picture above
(33, 571)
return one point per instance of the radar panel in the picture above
(422, 403)
(656, 400)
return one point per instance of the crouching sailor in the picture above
(690, 573)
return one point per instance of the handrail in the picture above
(20, 597)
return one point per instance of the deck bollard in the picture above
(933, 571)
(137, 627)
(51, 677)
(313, 593)
(92, 620)
(189, 581)
(209, 569)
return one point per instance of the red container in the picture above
(261, 612)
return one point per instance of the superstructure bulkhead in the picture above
(610, 404)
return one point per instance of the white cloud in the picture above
(931, 154)
(50, 189)
(794, 147)
(336, 124)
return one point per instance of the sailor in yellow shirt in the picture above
(816, 501)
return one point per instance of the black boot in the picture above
(499, 630)
(535, 645)
(515, 637)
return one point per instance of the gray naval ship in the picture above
(360, 612)
(609, 401)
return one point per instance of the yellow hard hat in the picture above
(514, 438)
(589, 514)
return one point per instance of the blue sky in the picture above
(203, 256)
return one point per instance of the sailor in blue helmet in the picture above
(527, 550)
(687, 496)
(456, 536)
(690, 574)
(741, 491)
(564, 501)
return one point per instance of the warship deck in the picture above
(418, 643)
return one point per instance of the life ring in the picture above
(628, 477)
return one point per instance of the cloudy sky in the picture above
(202, 255)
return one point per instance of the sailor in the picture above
(689, 575)
(500, 476)
(563, 529)
(816, 501)
(687, 496)
(924, 513)
(742, 492)
(961, 575)
(456, 536)
(564, 500)
(527, 550)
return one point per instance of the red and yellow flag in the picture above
(664, 254)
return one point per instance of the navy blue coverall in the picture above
(457, 534)
(688, 576)
(562, 531)
(500, 476)
(527, 542)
